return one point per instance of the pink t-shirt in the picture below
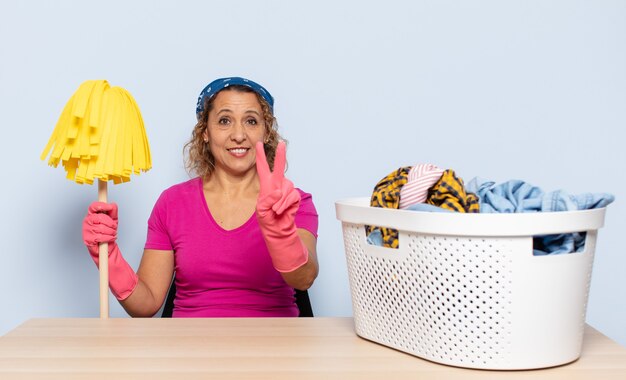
(220, 273)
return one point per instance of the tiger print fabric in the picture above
(449, 193)
(387, 194)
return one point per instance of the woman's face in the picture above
(234, 126)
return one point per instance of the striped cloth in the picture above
(421, 178)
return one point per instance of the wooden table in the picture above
(251, 348)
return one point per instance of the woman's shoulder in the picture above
(182, 189)
(185, 186)
(306, 202)
(304, 194)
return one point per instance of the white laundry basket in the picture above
(465, 289)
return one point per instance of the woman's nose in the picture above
(238, 132)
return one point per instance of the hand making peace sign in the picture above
(276, 209)
(277, 195)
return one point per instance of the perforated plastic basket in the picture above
(465, 289)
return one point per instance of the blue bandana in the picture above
(219, 84)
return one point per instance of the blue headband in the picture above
(219, 84)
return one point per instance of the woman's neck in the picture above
(231, 186)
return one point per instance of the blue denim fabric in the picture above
(376, 237)
(519, 196)
(543, 245)
(427, 207)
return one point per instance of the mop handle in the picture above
(103, 253)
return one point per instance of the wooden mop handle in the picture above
(103, 253)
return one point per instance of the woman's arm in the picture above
(302, 278)
(155, 276)
(142, 293)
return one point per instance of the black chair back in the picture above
(302, 301)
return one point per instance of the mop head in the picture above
(100, 134)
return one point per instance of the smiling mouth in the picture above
(238, 151)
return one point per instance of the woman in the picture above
(239, 236)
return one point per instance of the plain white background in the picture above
(532, 90)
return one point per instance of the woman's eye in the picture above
(223, 121)
(252, 121)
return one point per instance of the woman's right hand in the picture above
(100, 226)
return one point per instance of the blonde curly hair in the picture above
(199, 159)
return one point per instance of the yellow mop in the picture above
(100, 134)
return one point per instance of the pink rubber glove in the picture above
(276, 210)
(100, 226)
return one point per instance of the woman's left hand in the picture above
(276, 208)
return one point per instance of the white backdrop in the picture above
(533, 90)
